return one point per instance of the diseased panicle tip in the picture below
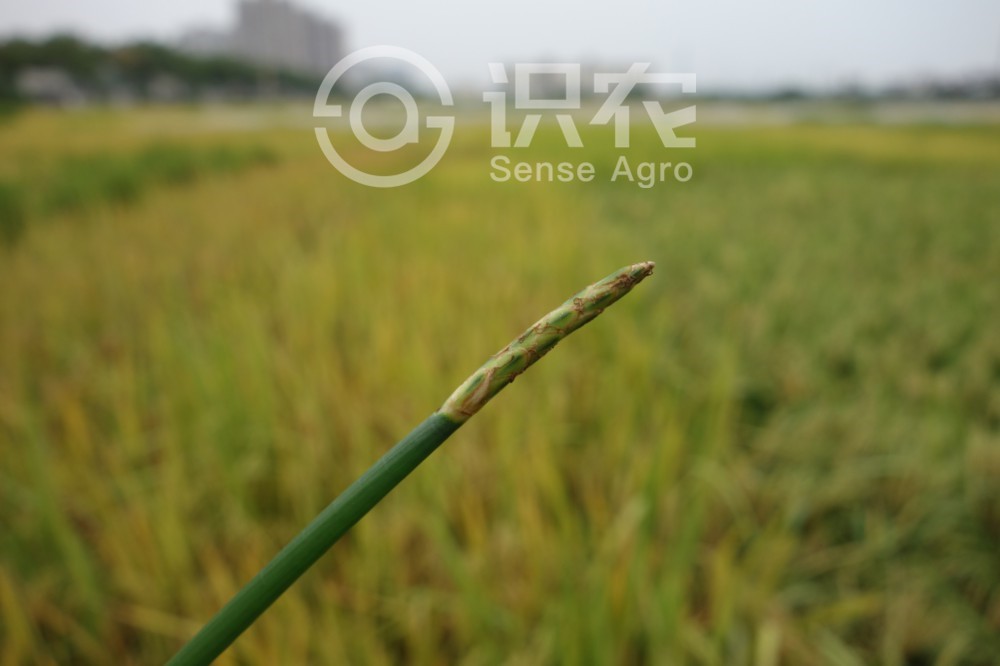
(641, 270)
(504, 366)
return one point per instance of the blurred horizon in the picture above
(731, 47)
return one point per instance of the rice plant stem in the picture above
(313, 541)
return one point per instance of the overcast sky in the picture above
(727, 43)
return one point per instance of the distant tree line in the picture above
(132, 70)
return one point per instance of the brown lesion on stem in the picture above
(504, 366)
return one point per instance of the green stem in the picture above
(312, 542)
(303, 551)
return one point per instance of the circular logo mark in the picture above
(410, 133)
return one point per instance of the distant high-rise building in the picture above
(279, 34)
(274, 33)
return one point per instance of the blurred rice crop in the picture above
(784, 448)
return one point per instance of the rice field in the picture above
(782, 448)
